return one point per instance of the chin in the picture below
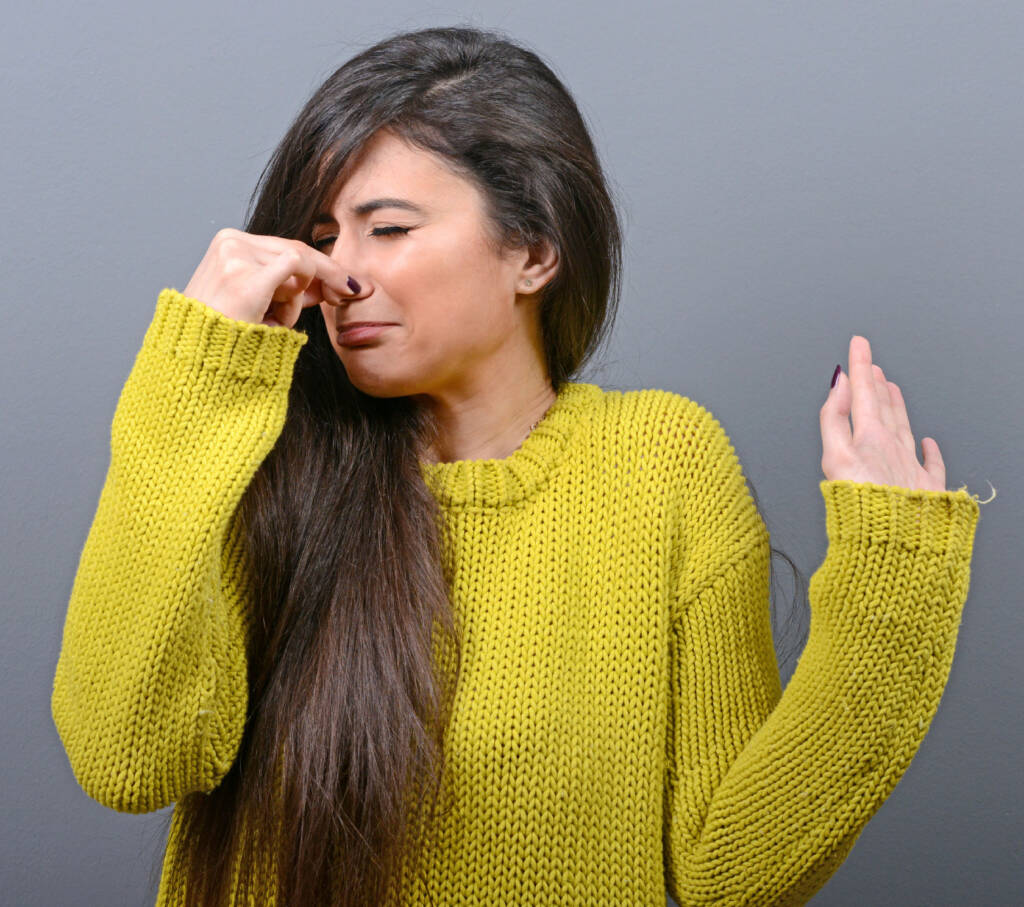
(377, 385)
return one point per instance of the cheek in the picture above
(458, 294)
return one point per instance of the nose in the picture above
(355, 286)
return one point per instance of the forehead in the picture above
(387, 165)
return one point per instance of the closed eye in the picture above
(376, 231)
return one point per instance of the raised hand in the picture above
(266, 279)
(881, 448)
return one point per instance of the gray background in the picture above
(793, 173)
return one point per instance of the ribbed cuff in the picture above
(917, 518)
(188, 329)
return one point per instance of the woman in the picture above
(404, 614)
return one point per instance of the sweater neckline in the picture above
(497, 482)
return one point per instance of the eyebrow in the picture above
(373, 204)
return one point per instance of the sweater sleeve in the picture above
(766, 793)
(150, 690)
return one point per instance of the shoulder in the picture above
(708, 496)
(687, 444)
(692, 467)
(686, 431)
(651, 405)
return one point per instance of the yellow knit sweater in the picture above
(619, 728)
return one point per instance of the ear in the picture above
(539, 267)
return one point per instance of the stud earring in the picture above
(529, 283)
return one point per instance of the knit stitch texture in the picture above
(619, 730)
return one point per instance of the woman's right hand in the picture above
(265, 279)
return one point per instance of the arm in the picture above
(766, 795)
(150, 691)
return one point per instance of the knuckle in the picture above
(230, 246)
(233, 266)
(294, 261)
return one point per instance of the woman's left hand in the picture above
(881, 447)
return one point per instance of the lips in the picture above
(361, 331)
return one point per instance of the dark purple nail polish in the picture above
(835, 376)
(353, 285)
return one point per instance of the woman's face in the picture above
(456, 321)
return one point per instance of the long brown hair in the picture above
(354, 651)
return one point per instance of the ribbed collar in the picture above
(494, 483)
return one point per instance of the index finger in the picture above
(322, 266)
(330, 272)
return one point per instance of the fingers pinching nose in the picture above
(336, 296)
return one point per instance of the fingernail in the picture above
(835, 376)
(353, 285)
